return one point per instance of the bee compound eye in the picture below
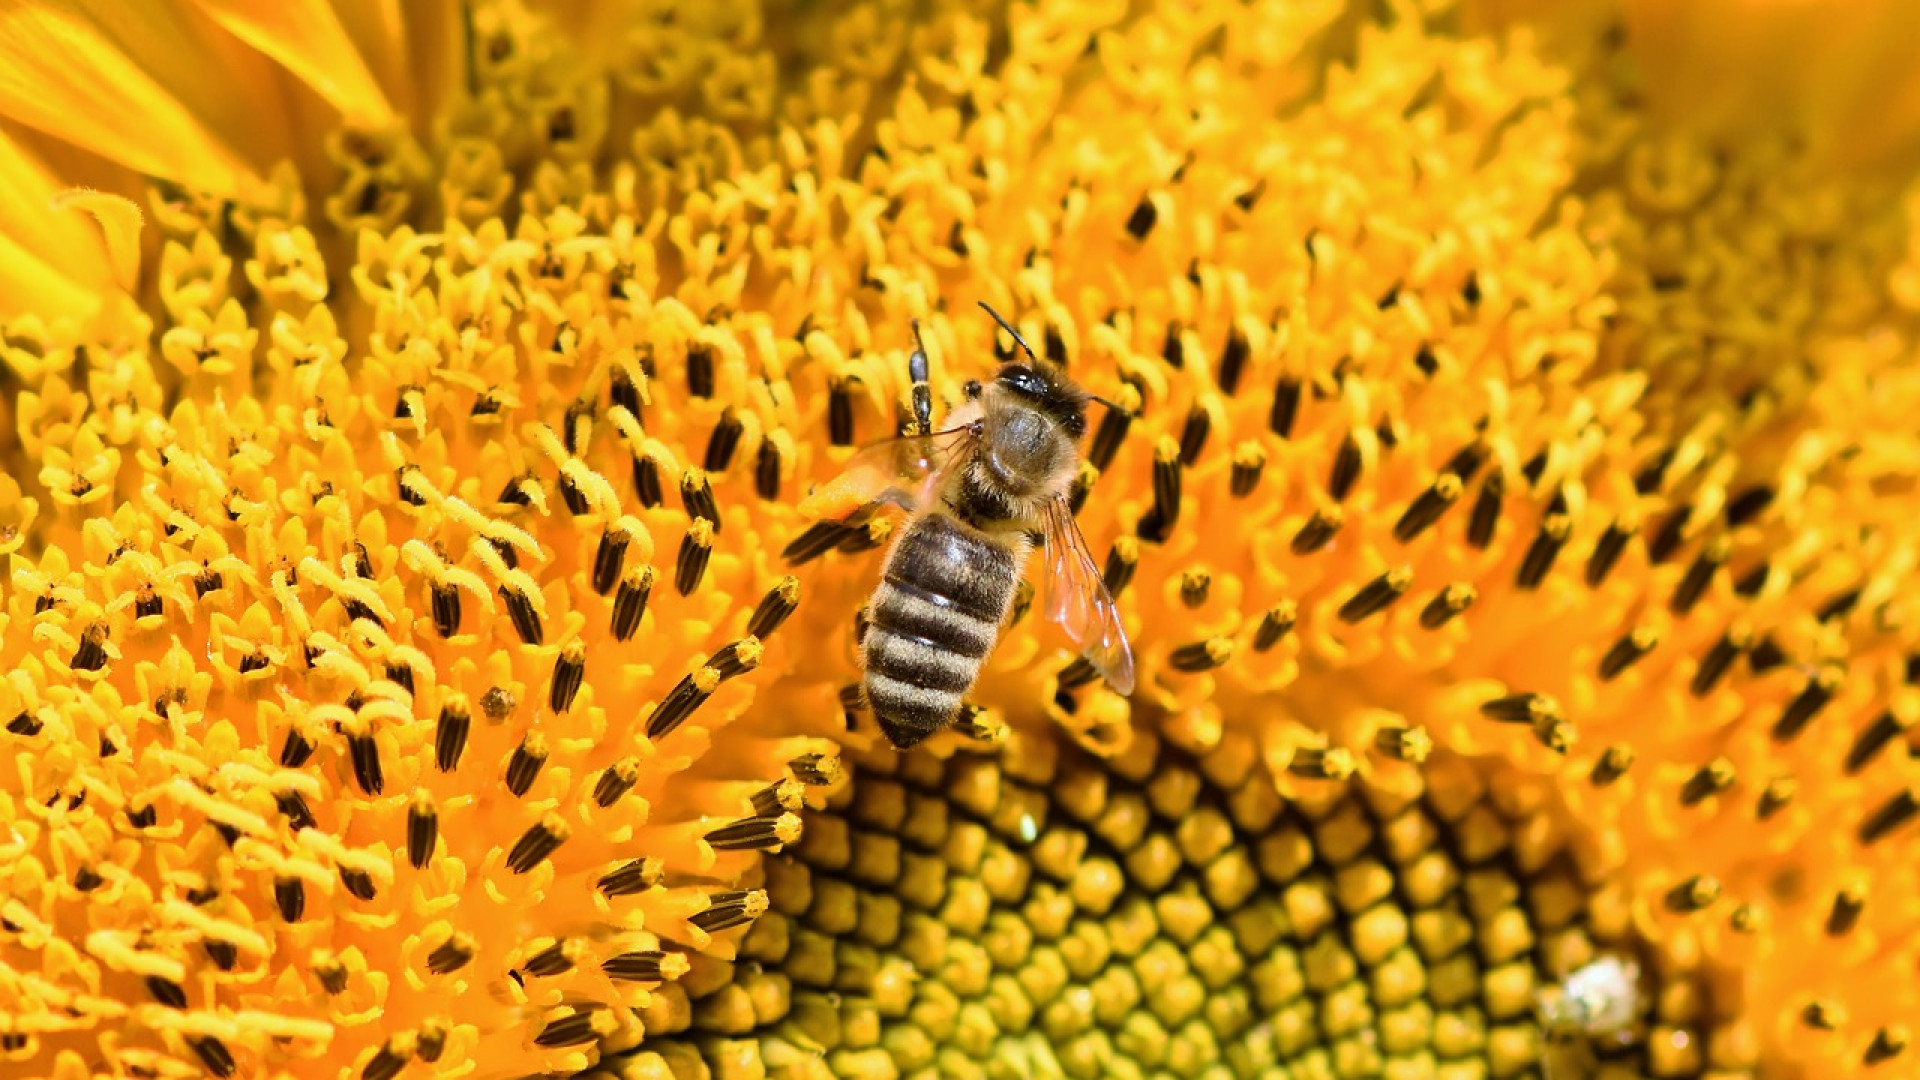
(1022, 380)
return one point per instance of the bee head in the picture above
(1043, 387)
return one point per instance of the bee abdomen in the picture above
(920, 663)
(935, 617)
(910, 611)
(954, 567)
(908, 713)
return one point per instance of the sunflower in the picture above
(418, 664)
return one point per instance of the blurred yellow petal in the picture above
(307, 37)
(48, 261)
(415, 48)
(153, 86)
(1839, 78)
(1841, 74)
(119, 220)
(29, 283)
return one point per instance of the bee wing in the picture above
(904, 471)
(1078, 600)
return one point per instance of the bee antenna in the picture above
(1103, 401)
(1008, 327)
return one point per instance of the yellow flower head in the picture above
(418, 665)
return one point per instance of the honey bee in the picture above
(1598, 1002)
(976, 495)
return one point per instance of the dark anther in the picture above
(1427, 507)
(296, 750)
(450, 735)
(1848, 903)
(214, 1055)
(574, 1029)
(1347, 463)
(1249, 462)
(779, 603)
(818, 539)
(700, 371)
(616, 781)
(840, 413)
(293, 805)
(1277, 623)
(1718, 661)
(1840, 606)
(1892, 814)
(365, 755)
(1531, 709)
(538, 842)
(515, 493)
(1710, 779)
(766, 470)
(636, 876)
(1607, 551)
(644, 966)
(1108, 437)
(696, 494)
(1806, 705)
(569, 671)
(291, 897)
(646, 482)
(1700, 575)
(630, 605)
(526, 619)
(1538, 561)
(723, 442)
(1486, 510)
(1697, 893)
(359, 883)
(1201, 655)
(525, 763)
(622, 391)
(1874, 738)
(167, 992)
(1195, 585)
(755, 833)
(696, 548)
(1233, 360)
(1627, 651)
(1193, 437)
(816, 770)
(1666, 539)
(1141, 221)
(1446, 604)
(1286, 406)
(1377, 595)
(1613, 764)
(550, 961)
(423, 831)
(729, 909)
(609, 558)
(1749, 504)
(1319, 530)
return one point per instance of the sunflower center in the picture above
(1045, 912)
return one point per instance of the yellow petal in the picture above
(120, 223)
(307, 37)
(49, 262)
(416, 49)
(154, 86)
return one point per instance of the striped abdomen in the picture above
(937, 613)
